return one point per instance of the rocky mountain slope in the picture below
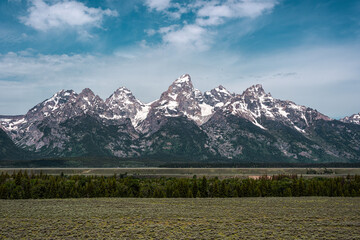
(355, 118)
(9, 151)
(185, 124)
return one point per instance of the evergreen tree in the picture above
(194, 187)
(203, 187)
(20, 185)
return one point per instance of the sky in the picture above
(306, 51)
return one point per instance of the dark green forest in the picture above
(23, 185)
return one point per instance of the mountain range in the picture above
(183, 124)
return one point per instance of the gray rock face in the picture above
(255, 105)
(54, 106)
(28, 131)
(184, 122)
(180, 100)
(123, 104)
(355, 118)
(217, 97)
(25, 132)
(86, 103)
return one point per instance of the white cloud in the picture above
(214, 13)
(42, 16)
(167, 29)
(197, 35)
(177, 10)
(172, 10)
(158, 5)
(150, 32)
(191, 37)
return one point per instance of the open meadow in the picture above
(190, 172)
(130, 218)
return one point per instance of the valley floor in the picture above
(240, 218)
(190, 172)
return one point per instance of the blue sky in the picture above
(306, 51)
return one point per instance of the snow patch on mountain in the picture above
(183, 79)
(141, 115)
(256, 105)
(180, 100)
(122, 104)
(355, 118)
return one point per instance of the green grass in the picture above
(246, 218)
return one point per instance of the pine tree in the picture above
(203, 187)
(194, 188)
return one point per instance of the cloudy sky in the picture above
(307, 51)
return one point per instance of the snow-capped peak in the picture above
(181, 99)
(185, 78)
(87, 98)
(123, 104)
(223, 90)
(122, 96)
(218, 96)
(51, 105)
(256, 91)
(355, 118)
(257, 106)
(61, 96)
(123, 90)
(87, 92)
(183, 84)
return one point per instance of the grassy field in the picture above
(189, 172)
(244, 218)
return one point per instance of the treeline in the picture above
(22, 185)
(258, 165)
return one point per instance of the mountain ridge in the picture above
(185, 122)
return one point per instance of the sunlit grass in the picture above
(274, 218)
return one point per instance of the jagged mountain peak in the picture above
(181, 99)
(123, 104)
(90, 97)
(123, 90)
(218, 96)
(64, 93)
(221, 88)
(222, 91)
(87, 92)
(62, 124)
(355, 118)
(182, 88)
(52, 104)
(185, 78)
(122, 95)
(256, 91)
(87, 103)
(183, 83)
(256, 87)
(258, 106)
